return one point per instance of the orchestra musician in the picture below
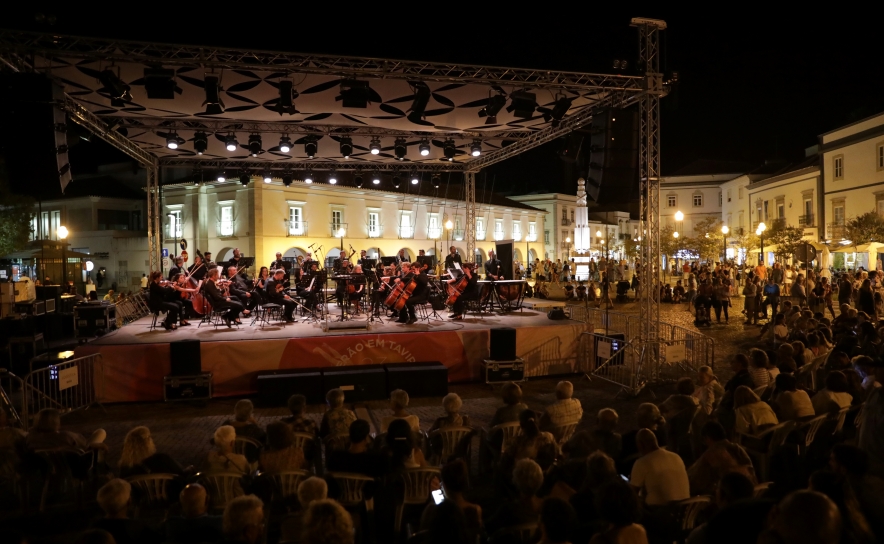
(358, 284)
(161, 297)
(221, 301)
(308, 260)
(306, 289)
(177, 269)
(182, 286)
(263, 278)
(198, 270)
(234, 261)
(451, 258)
(418, 296)
(471, 292)
(492, 267)
(402, 257)
(363, 258)
(421, 253)
(278, 263)
(239, 289)
(276, 295)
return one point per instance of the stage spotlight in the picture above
(558, 111)
(232, 144)
(213, 103)
(436, 180)
(286, 102)
(358, 179)
(116, 88)
(495, 104)
(419, 104)
(396, 181)
(285, 144)
(424, 147)
(159, 83)
(522, 104)
(254, 144)
(400, 149)
(415, 179)
(200, 142)
(308, 177)
(311, 146)
(268, 176)
(449, 150)
(172, 141)
(354, 93)
(287, 179)
(244, 179)
(332, 177)
(376, 178)
(197, 175)
(222, 177)
(375, 146)
(346, 147)
(476, 148)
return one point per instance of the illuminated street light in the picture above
(679, 216)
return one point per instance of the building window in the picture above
(879, 157)
(406, 227)
(766, 214)
(337, 220)
(532, 232)
(728, 195)
(517, 231)
(719, 199)
(45, 233)
(698, 200)
(296, 221)
(740, 220)
(480, 228)
(498, 229)
(546, 237)
(572, 217)
(781, 211)
(838, 214)
(34, 230)
(434, 231)
(374, 224)
(226, 227)
(838, 167)
(740, 193)
(565, 214)
(174, 228)
(671, 201)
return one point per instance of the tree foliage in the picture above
(631, 248)
(787, 239)
(866, 228)
(669, 245)
(16, 213)
(707, 240)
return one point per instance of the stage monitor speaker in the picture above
(503, 344)
(359, 383)
(504, 253)
(429, 379)
(352, 325)
(185, 358)
(612, 174)
(276, 386)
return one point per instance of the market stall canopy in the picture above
(48, 249)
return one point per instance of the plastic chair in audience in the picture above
(309, 445)
(807, 432)
(336, 442)
(839, 417)
(222, 487)
(285, 483)
(455, 441)
(417, 490)
(761, 489)
(763, 446)
(152, 491)
(60, 473)
(509, 431)
(689, 510)
(351, 486)
(248, 447)
(563, 433)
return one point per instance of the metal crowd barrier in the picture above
(69, 386)
(132, 309)
(12, 397)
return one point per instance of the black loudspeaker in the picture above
(504, 253)
(359, 383)
(428, 379)
(503, 344)
(612, 175)
(185, 358)
(276, 386)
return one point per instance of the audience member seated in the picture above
(456, 482)
(46, 434)
(511, 395)
(804, 517)
(326, 522)
(90, 536)
(312, 489)
(357, 457)
(281, 455)
(742, 376)
(618, 508)
(647, 416)
(708, 390)
(298, 421)
(732, 487)
(682, 400)
(222, 458)
(452, 404)
(337, 419)
(792, 404)
(564, 411)
(721, 457)
(140, 456)
(398, 403)
(659, 476)
(244, 422)
(244, 521)
(871, 432)
(853, 464)
(194, 524)
(557, 521)
(600, 470)
(752, 415)
(532, 443)
(445, 523)
(401, 449)
(785, 360)
(759, 368)
(527, 479)
(603, 437)
(113, 499)
(834, 396)
(855, 527)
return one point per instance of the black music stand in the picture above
(388, 261)
(427, 260)
(372, 282)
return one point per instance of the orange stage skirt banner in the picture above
(134, 372)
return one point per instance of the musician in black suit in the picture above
(402, 257)
(451, 258)
(177, 269)
(470, 292)
(363, 258)
(492, 267)
(198, 269)
(234, 261)
(240, 289)
(161, 301)
(418, 295)
(220, 301)
(209, 262)
(278, 263)
(276, 295)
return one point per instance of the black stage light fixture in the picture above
(197, 176)
(449, 150)
(159, 83)
(231, 143)
(436, 180)
(375, 146)
(396, 181)
(245, 178)
(285, 144)
(354, 93)
(254, 144)
(476, 148)
(172, 140)
(200, 142)
(522, 104)
(346, 147)
(424, 147)
(286, 102)
(213, 103)
(287, 178)
(415, 179)
(221, 177)
(376, 177)
(400, 149)
(419, 104)
(559, 109)
(308, 177)
(118, 90)
(311, 146)
(332, 178)
(495, 104)
(358, 179)
(268, 176)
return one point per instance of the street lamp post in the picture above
(724, 231)
(760, 232)
(62, 235)
(675, 235)
(448, 226)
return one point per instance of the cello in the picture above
(401, 293)
(201, 304)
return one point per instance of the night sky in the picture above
(752, 85)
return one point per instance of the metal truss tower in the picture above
(649, 177)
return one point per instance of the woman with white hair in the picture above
(222, 458)
(337, 419)
(140, 456)
(708, 390)
(244, 421)
(399, 402)
(452, 404)
(326, 522)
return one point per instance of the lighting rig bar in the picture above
(124, 51)
(349, 166)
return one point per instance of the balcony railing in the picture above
(566, 246)
(458, 234)
(567, 222)
(480, 234)
(226, 228)
(295, 228)
(375, 231)
(406, 232)
(517, 236)
(434, 233)
(836, 231)
(498, 235)
(806, 220)
(770, 224)
(337, 230)
(172, 234)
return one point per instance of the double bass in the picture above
(201, 304)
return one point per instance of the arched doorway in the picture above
(532, 255)
(223, 255)
(480, 257)
(293, 253)
(409, 254)
(517, 254)
(330, 257)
